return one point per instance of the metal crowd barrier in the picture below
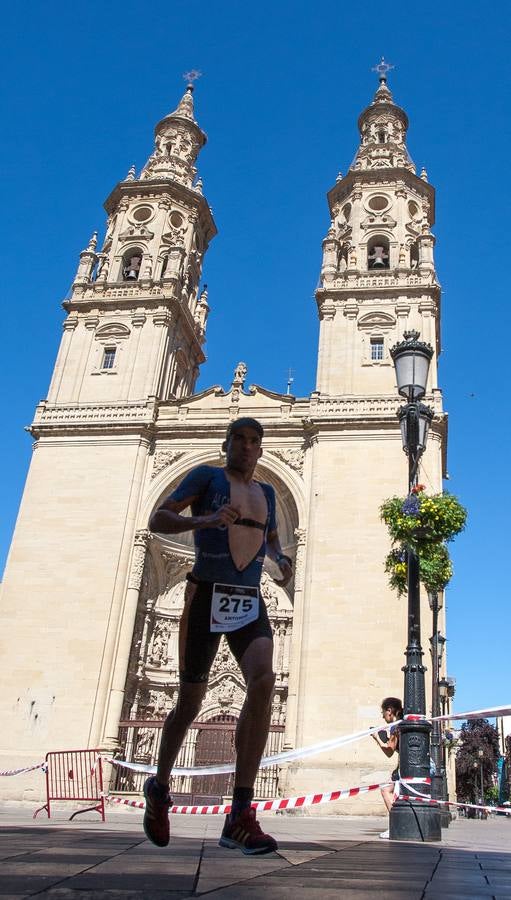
(74, 775)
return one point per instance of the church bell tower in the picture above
(133, 340)
(378, 274)
(136, 317)
(377, 281)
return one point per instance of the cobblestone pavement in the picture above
(318, 859)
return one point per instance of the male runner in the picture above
(234, 525)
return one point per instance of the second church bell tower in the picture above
(378, 275)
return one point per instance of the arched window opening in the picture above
(378, 253)
(131, 263)
(382, 137)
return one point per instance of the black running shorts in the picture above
(201, 645)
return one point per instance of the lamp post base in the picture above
(414, 821)
(439, 792)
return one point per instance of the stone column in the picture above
(294, 650)
(91, 323)
(117, 644)
(137, 323)
(61, 363)
(161, 323)
(402, 313)
(326, 336)
(351, 311)
(427, 309)
(125, 636)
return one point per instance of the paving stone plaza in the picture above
(318, 858)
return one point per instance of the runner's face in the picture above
(243, 450)
(388, 715)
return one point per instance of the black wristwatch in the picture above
(280, 556)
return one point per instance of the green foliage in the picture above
(439, 518)
(435, 568)
(476, 735)
(422, 524)
(491, 795)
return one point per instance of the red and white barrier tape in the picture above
(41, 765)
(277, 759)
(303, 752)
(290, 755)
(261, 805)
(406, 782)
(423, 799)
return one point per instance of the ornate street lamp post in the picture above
(480, 754)
(437, 641)
(413, 820)
(446, 690)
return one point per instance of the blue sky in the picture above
(282, 88)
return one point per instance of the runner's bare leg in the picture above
(254, 720)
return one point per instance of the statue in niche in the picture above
(269, 593)
(144, 744)
(158, 652)
(343, 258)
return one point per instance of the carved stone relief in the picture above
(294, 458)
(164, 458)
(138, 560)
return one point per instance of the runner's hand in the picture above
(287, 573)
(222, 517)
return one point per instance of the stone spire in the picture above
(383, 126)
(178, 140)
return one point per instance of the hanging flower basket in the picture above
(418, 519)
(435, 568)
(422, 524)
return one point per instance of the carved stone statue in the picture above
(240, 373)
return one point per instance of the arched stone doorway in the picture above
(153, 671)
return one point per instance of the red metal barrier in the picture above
(74, 775)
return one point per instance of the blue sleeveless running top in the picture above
(213, 560)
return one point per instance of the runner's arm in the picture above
(167, 519)
(274, 551)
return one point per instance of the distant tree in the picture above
(476, 735)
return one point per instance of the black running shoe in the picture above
(244, 833)
(156, 816)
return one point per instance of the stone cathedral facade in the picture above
(91, 600)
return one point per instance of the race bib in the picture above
(233, 606)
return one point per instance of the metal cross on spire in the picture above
(191, 76)
(382, 68)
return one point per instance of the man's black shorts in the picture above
(201, 644)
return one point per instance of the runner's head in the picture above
(242, 443)
(391, 709)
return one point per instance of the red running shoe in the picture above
(156, 816)
(245, 834)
